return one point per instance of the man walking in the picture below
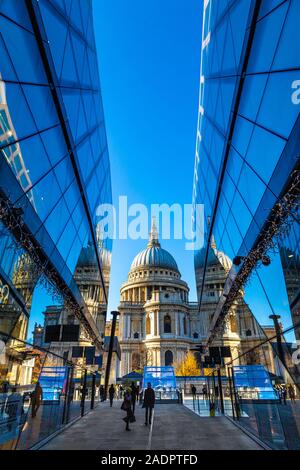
(149, 401)
(36, 398)
(111, 393)
(284, 395)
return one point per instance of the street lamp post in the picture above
(280, 351)
(110, 350)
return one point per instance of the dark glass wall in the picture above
(247, 177)
(54, 156)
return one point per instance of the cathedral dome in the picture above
(200, 258)
(154, 255)
(87, 256)
(224, 260)
(214, 258)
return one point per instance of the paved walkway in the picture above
(174, 427)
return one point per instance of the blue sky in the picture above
(149, 60)
(149, 57)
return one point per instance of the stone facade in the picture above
(158, 325)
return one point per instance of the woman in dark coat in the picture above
(126, 406)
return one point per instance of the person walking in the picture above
(194, 391)
(204, 392)
(278, 393)
(126, 406)
(149, 402)
(36, 398)
(111, 392)
(133, 396)
(102, 393)
(292, 394)
(284, 395)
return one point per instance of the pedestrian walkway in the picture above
(174, 427)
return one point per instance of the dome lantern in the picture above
(153, 238)
(154, 255)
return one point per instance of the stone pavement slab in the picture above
(184, 430)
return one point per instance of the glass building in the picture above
(54, 173)
(247, 177)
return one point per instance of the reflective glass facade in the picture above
(247, 177)
(54, 173)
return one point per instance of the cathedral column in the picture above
(127, 363)
(143, 326)
(176, 324)
(157, 323)
(182, 324)
(121, 325)
(153, 323)
(124, 325)
(157, 362)
(179, 324)
(128, 326)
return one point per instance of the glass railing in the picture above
(40, 393)
(261, 396)
(167, 395)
